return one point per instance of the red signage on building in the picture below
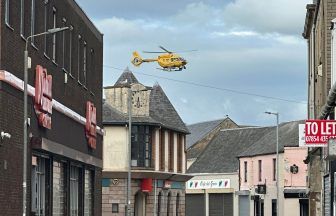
(319, 131)
(43, 96)
(91, 123)
(147, 185)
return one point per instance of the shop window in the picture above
(115, 208)
(39, 185)
(59, 188)
(168, 204)
(74, 190)
(177, 204)
(159, 204)
(88, 193)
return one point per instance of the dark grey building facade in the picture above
(64, 109)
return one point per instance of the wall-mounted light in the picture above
(4, 135)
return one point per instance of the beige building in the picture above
(158, 157)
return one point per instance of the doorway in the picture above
(140, 204)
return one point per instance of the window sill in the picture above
(54, 62)
(142, 168)
(23, 38)
(34, 46)
(45, 55)
(9, 26)
(70, 75)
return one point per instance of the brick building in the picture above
(65, 161)
(319, 33)
(157, 151)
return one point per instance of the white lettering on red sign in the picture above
(43, 96)
(91, 124)
(318, 132)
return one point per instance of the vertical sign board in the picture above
(43, 96)
(91, 123)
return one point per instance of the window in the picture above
(177, 204)
(46, 37)
(39, 185)
(168, 204)
(79, 59)
(92, 66)
(7, 12)
(162, 150)
(84, 63)
(260, 169)
(159, 204)
(274, 169)
(54, 45)
(171, 151)
(115, 208)
(141, 146)
(59, 188)
(64, 50)
(74, 190)
(179, 152)
(32, 21)
(245, 171)
(22, 14)
(88, 193)
(70, 48)
(274, 207)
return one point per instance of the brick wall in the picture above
(116, 193)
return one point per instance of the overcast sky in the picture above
(252, 46)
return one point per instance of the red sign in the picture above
(91, 123)
(147, 185)
(43, 96)
(319, 131)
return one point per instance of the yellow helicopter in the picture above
(168, 61)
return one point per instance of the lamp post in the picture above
(128, 208)
(277, 157)
(25, 114)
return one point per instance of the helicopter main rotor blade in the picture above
(185, 51)
(161, 47)
(153, 52)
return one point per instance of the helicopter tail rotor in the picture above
(136, 60)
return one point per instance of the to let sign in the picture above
(318, 132)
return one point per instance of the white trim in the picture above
(19, 84)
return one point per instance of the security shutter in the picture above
(216, 205)
(244, 205)
(221, 204)
(195, 205)
(228, 204)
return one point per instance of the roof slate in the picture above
(221, 154)
(161, 111)
(199, 130)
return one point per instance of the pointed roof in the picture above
(161, 111)
(201, 129)
(126, 78)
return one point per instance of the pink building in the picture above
(257, 174)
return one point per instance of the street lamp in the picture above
(25, 113)
(277, 157)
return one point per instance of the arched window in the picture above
(168, 203)
(159, 204)
(178, 204)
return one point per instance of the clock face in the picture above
(137, 101)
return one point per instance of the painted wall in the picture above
(115, 148)
(295, 156)
(234, 186)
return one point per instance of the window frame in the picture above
(54, 36)
(33, 22)
(245, 171)
(141, 146)
(22, 16)
(84, 63)
(274, 169)
(260, 170)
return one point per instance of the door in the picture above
(216, 205)
(140, 204)
(195, 205)
(244, 206)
